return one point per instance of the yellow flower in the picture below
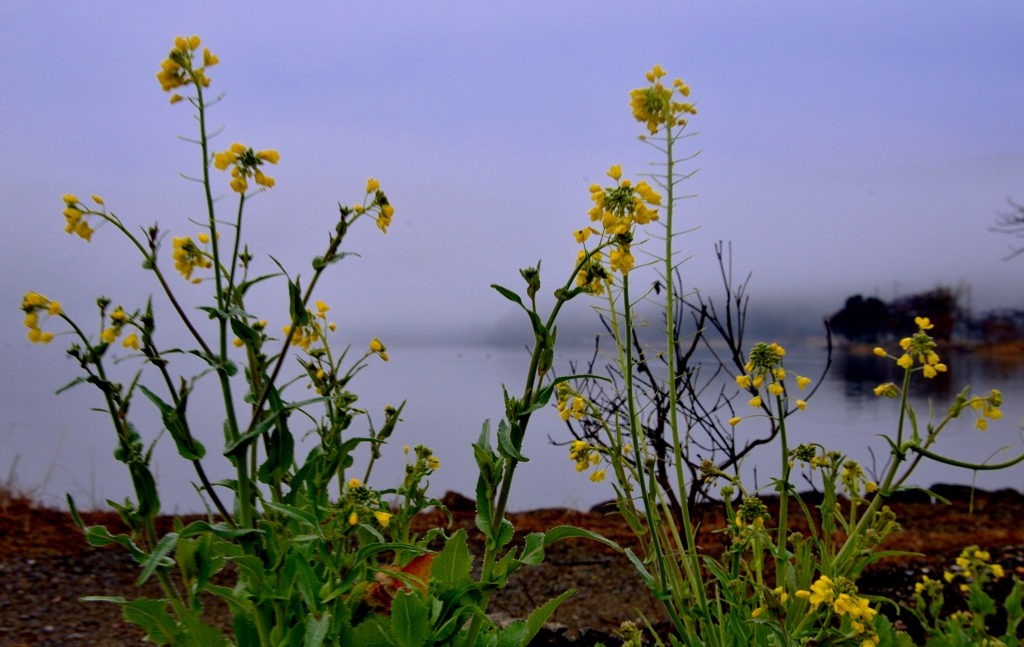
(997, 571)
(269, 155)
(131, 341)
(264, 180)
(405, 449)
(175, 98)
(383, 518)
(905, 343)
(69, 198)
(376, 346)
(743, 381)
(775, 389)
(45, 338)
(759, 610)
(628, 448)
(237, 148)
(981, 424)
(582, 234)
(758, 381)
(353, 483)
(34, 335)
(372, 185)
(615, 172)
(929, 371)
(924, 323)
(32, 320)
(84, 231)
(870, 486)
(880, 352)
(209, 59)
(433, 463)
(948, 576)
(54, 308)
(203, 238)
(353, 519)
(109, 335)
(322, 307)
(239, 185)
(734, 421)
(238, 342)
(755, 401)
(905, 361)
(597, 476)
(802, 382)
(802, 405)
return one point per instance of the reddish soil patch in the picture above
(46, 566)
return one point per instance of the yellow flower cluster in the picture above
(921, 345)
(384, 210)
(765, 366)
(188, 257)
(657, 105)
(118, 319)
(32, 304)
(974, 567)
(841, 597)
(592, 273)
(245, 163)
(987, 407)
(379, 348)
(178, 69)
(77, 216)
(852, 477)
(586, 456)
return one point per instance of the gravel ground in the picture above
(46, 567)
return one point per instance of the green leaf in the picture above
(409, 620)
(373, 549)
(559, 533)
(73, 383)
(221, 530)
(156, 559)
(152, 616)
(189, 448)
(505, 533)
(540, 615)
(316, 630)
(641, 569)
(244, 332)
(980, 602)
(508, 294)
(245, 285)
(299, 315)
(452, 567)
(100, 536)
(238, 600)
(252, 567)
(299, 515)
(308, 583)
(533, 551)
(544, 395)
(512, 634)
(198, 634)
(507, 444)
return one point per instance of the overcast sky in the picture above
(844, 147)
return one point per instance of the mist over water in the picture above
(451, 390)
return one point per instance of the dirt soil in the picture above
(46, 567)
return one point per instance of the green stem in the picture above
(781, 564)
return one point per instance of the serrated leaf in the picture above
(540, 615)
(153, 618)
(316, 630)
(409, 619)
(221, 530)
(505, 533)
(452, 567)
(507, 444)
(156, 559)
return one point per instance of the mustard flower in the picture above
(54, 308)
(433, 463)
(597, 476)
(905, 361)
(775, 389)
(353, 519)
(802, 382)
(131, 341)
(615, 172)
(801, 404)
(383, 518)
(755, 401)
(734, 421)
(238, 343)
(269, 155)
(353, 483)
(110, 335)
(187, 257)
(372, 185)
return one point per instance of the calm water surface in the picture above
(452, 390)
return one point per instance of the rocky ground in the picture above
(46, 567)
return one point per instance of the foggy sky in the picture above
(863, 147)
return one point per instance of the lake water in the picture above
(60, 446)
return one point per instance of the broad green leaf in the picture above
(505, 534)
(533, 551)
(316, 630)
(507, 444)
(512, 635)
(299, 515)
(221, 530)
(409, 619)
(308, 583)
(244, 332)
(540, 615)
(252, 567)
(152, 616)
(452, 567)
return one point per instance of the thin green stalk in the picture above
(782, 564)
(690, 548)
